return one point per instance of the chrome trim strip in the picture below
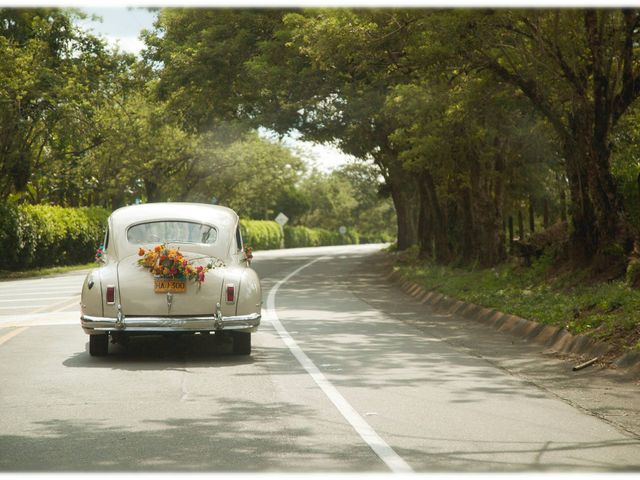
(170, 324)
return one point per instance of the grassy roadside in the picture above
(607, 311)
(41, 272)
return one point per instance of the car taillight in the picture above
(111, 294)
(231, 293)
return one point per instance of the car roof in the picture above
(195, 212)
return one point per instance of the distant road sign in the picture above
(342, 230)
(282, 219)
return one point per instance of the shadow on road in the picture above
(162, 353)
(234, 438)
(229, 440)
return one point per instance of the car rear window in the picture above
(172, 232)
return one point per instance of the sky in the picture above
(121, 26)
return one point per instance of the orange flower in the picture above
(141, 252)
(158, 248)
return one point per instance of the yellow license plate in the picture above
(173, 286)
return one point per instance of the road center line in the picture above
(10, 335)
(395, 463)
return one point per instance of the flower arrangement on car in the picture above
(99, 254)
(170, 263)
(248, 254)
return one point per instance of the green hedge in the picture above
(376, 238)
(265, 235)
(301, 237)
(45, 236)
(315, 237)
(262, 234)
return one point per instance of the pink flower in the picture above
(201, 277)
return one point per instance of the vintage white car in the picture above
(171, 268)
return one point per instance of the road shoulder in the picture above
(600, 392)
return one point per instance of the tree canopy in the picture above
(472, 122)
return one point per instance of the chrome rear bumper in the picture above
(211, 323)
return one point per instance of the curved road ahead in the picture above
(347, 375)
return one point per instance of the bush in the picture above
(381, 237)
(10, 236)
(301, 237)
(44, 235)
(35, 236)
(262, 234)
(315, 237)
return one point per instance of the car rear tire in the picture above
(98, 345)
(241, 343)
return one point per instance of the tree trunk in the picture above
(404, 194)
(469, 250)
(425, 224)
(613, 228)
(406, 203)
(510, 233)
(563, 204)
(498, 249)
(583, 239)
(442, 248)
(598, 220)
(520, 226)
(532, 219)
(545, 214)
(152, 190)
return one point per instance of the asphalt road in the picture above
(346, 375)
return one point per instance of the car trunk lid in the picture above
(138, 297)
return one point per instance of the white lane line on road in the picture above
(25, 292)
(394, 461)
(8, 300)
(10, 335)
(26, 318)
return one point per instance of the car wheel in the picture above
(241, 343)
(98, 345)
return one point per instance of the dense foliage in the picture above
(44, 236)
(474, 129)
(480, 121)
(82, 124)
(261, 235)
(35, 236)
(316, 237)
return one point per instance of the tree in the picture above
(344, 197)
(54, 77)
(287, 71)
(479, 150)
(580, 69)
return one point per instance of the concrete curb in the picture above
(555, 339)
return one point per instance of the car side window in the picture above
(238, 238)
(106, 239)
